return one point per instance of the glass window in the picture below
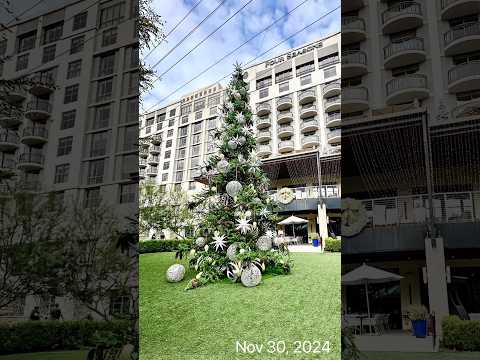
(283, 87)
(265, 82)
(80, 21)
(3, 46)
(133, 82)
(171, 122)
(195, 150)
(283, 76)
(179, 176)
(166, 165)
(305, 68)
(71, 94)
(132, 109)
(167, 154)
(74, 69)
(182, 131)
(128, 193)
(181, 153)
(332, 71)
(199, 104)
(52, 33)
(172, 112)
(185, 119)
(109, 37)
(61, 173)
(169, 132)
(134, 57)
(165, 177)
(22, 62)
(26, 41)
(68, 120)
(197, 127)
(214, 100)
(102, 117)
(111, 15)
(194, 162)
(76, 44)
(64, 146)
(159, 126)
(48, 53)
(119, 305)
(304, 80)
(98, 146)
(196, 138)
(104, 89)
(130, 141)
(263, 92)
(212, 124)
(95, 171)
(92, 197)
(169, 143)
(186, 109)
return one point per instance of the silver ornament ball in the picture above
(175, 273)
(233, 188)
(251, 276)
(232, 252)
(200, 242)
(264, 243)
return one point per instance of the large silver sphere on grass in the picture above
(251, 276)
(175, 273)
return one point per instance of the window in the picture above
(262, 83)
(128, 193)
(179, 176)
(166, 165)
(95, 171)
(48, 53)
(3, 47)
(180, 165)
(283, 76)
(169, 143)
(150, 121)
(74, 69)
(185, 119)
(98, 147)
(130, 140)
(109, 37)
(71, 94)
(133, 82)
(181, 153)
(170, 133)
(119, 304)
(213, 111)
(263, 93)
(304, 80)
(134, 57)
(171, 122)
(104, 89)
(182, 142)
(22, 62)
(52, 33)
(102, 117)
(132, 110)
(405, 70)
(79, 21)
(92, 197)
(194, 162)
(111, 15)
(68, 120)
(468, 95)
(197, 127)
(212, 124)
(305, 68)
(172, 112)
(165, 177)
(354, 81)
(148, 129)
(214, 100)
(159, 126)
(198, 115)
(106, 64)
(195, 150)
(283, 87)
(26, 41)
(199, 104)
(332, 71)
(183, 131)
(328, 60)
(186, 109)
(167, 154)
(61, 173)
(64, 146)
(76, 44)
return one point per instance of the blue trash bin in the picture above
(315, 242)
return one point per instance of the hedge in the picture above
(35, 336)
(153, 246)
(333, 244)
(461, 334)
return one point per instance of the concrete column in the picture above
(322, 222)
(437, 280)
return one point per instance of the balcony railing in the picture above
(10, 137)
(310, 139)
(306, 94)
(36, 131)
(264, 149)
(403, 8)
(401, 46)
(7, 164)
(311, 192)
(333, 118)
(285, 144)
(355, 93)
(353, 23)
(411, 81)
(284, 100)
(446, 3)
(354, 57)
(31, 158)
(312, 122)
(333, 99)
(284, 129)
(334, 134)
(263, 107)
(331, 86)
(329, 61)
(464, 70)
(43, 79)
(39, 105)
(461, 31)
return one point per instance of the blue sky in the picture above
(251, 20)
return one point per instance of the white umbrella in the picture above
(293, 220)
(368, 274)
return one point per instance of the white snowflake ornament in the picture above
(240, 118)
(218, 241)
(244, 225)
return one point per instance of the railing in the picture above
(39, 105)
(8, 137)
(44, 79)
(332, 118)
(311, 192)
(354, 57)
(307, 123)
(415, 209)
(310, 139)
(142, 161)
(264, 133)
(31, 158)
(143, 152)
(410, 81)
(353, 23)
(263, 120)
(263, 106)
(156, 139)
(333, 99)
(329, 61)
(471, 108)
(155, 148)
(331, 86)
(401, 46)
(264, 148)
(8, 164)
(284, 128)
(334, 134)
(306, 93)
(283, 77)
(141, 172)
(284, 100)
(461, 31)
(284, 114)
(403, 8)
(446, 3)
(464, 70)
(355, 93)
(36, 131)
(153, 159)
(285, 144)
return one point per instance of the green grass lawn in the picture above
(57, 355)
(205, 323)
(421, 356)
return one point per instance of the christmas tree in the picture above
(235, 237)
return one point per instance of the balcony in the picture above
(156, 139)
(151, 171)
(307, 111)
(354, 99)
(332, 103)
(155, 149)
(307, 198)
(403, 53)
(263, 122)
(153, 160)
(468, 109)
(310, 141)
(39, 110)
(16, 96)
(464, 77)
(458, 8)
(263, 109)
(264, 135)
(285, 130)
(334, 136)
(353, 30)
(30, 162)
(462, 38)
(42, 84)
(141, 173)
(406, 89)
(30, 186)
(333, 120)
(7, 167)
(309, 125)
(284, 103)
(285, 146)
(354, 63)
(331, 89)
(352, 5)
(8, 140)
(143, 152)
(402, 16)
(142, 163)
(10, 119)
(306, 97)
(33, 136)
(264, 150)
(284, 117)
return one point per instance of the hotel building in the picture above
(78, 137)
(295, 99)
(410, 123)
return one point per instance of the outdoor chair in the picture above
(351, 322)
(376, 323)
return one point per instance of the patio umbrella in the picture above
(366, 275)
(293, 220)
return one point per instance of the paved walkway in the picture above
(304, 249)
(398, 342)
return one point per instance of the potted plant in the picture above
(313, 237)
(418, 316)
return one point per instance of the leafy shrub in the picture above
(461, 334)
(333, 244)
(153, 246)
(34, 336)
